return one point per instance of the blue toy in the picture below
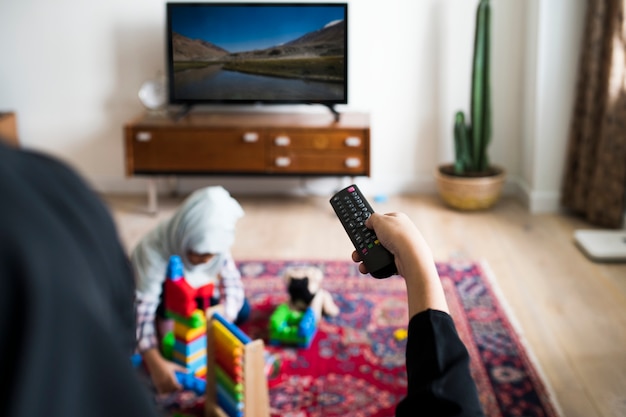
(191, 383)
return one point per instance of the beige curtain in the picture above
(595, 168)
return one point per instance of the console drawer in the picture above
(319, 140)
(191, 151)
(321, 163)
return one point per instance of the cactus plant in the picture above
(472, 140)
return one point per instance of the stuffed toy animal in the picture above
(304, 285)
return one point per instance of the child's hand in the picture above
(164, 377)
(162, 372)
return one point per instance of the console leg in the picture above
(152, 196)
(183, 112)
(172, 184)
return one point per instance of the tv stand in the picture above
(334, 111)
(183, 112)
(248, 143)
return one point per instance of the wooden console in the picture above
(294, 144)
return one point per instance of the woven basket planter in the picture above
(469, 193)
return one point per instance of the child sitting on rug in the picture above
(201, 232)
(437, 361)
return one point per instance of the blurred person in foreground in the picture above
(67, 326)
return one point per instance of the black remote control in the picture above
(353, 209)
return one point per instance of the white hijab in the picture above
(204, 223)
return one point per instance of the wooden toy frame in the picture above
(255, 388)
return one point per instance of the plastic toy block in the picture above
(175, 269)
(167, 345)
(183, 356)
(206, 291)
(307, 326)
(187, 359)
(191, 383)
(190, 348)
(180, 296)
(201, 372)
(186, 333)
(197, 318)
(191, 367)
(292, 327)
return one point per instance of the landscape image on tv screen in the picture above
(257, 53)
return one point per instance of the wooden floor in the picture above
(571, 311)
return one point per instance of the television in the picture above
(257, 53)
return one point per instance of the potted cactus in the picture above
(472, 183)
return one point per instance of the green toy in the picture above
(167, 345)
(292, 327)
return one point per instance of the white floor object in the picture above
(602, 245)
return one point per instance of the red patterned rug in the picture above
(355, 364)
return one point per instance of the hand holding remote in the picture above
(413, 258)
(400, 236)
(353, 210)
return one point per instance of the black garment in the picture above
(67, 328)
(439, 379)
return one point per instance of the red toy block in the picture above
(180, 297)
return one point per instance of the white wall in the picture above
(553, 38)
(71, 70)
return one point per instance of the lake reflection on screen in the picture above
(214, 83)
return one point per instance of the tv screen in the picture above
(257, 53)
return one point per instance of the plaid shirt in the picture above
(230, 291)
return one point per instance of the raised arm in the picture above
(413, 258)
(439, 379)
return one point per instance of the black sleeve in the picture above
(439, 380)
(66, 297)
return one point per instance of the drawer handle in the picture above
(282, 141)
(353, 141)
(353, 162)
(283, 161)
(143, 136)
(250, 137)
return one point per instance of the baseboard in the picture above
(539, 201)
(320, 186)
(381, 186)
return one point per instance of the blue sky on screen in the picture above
(249, 27)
